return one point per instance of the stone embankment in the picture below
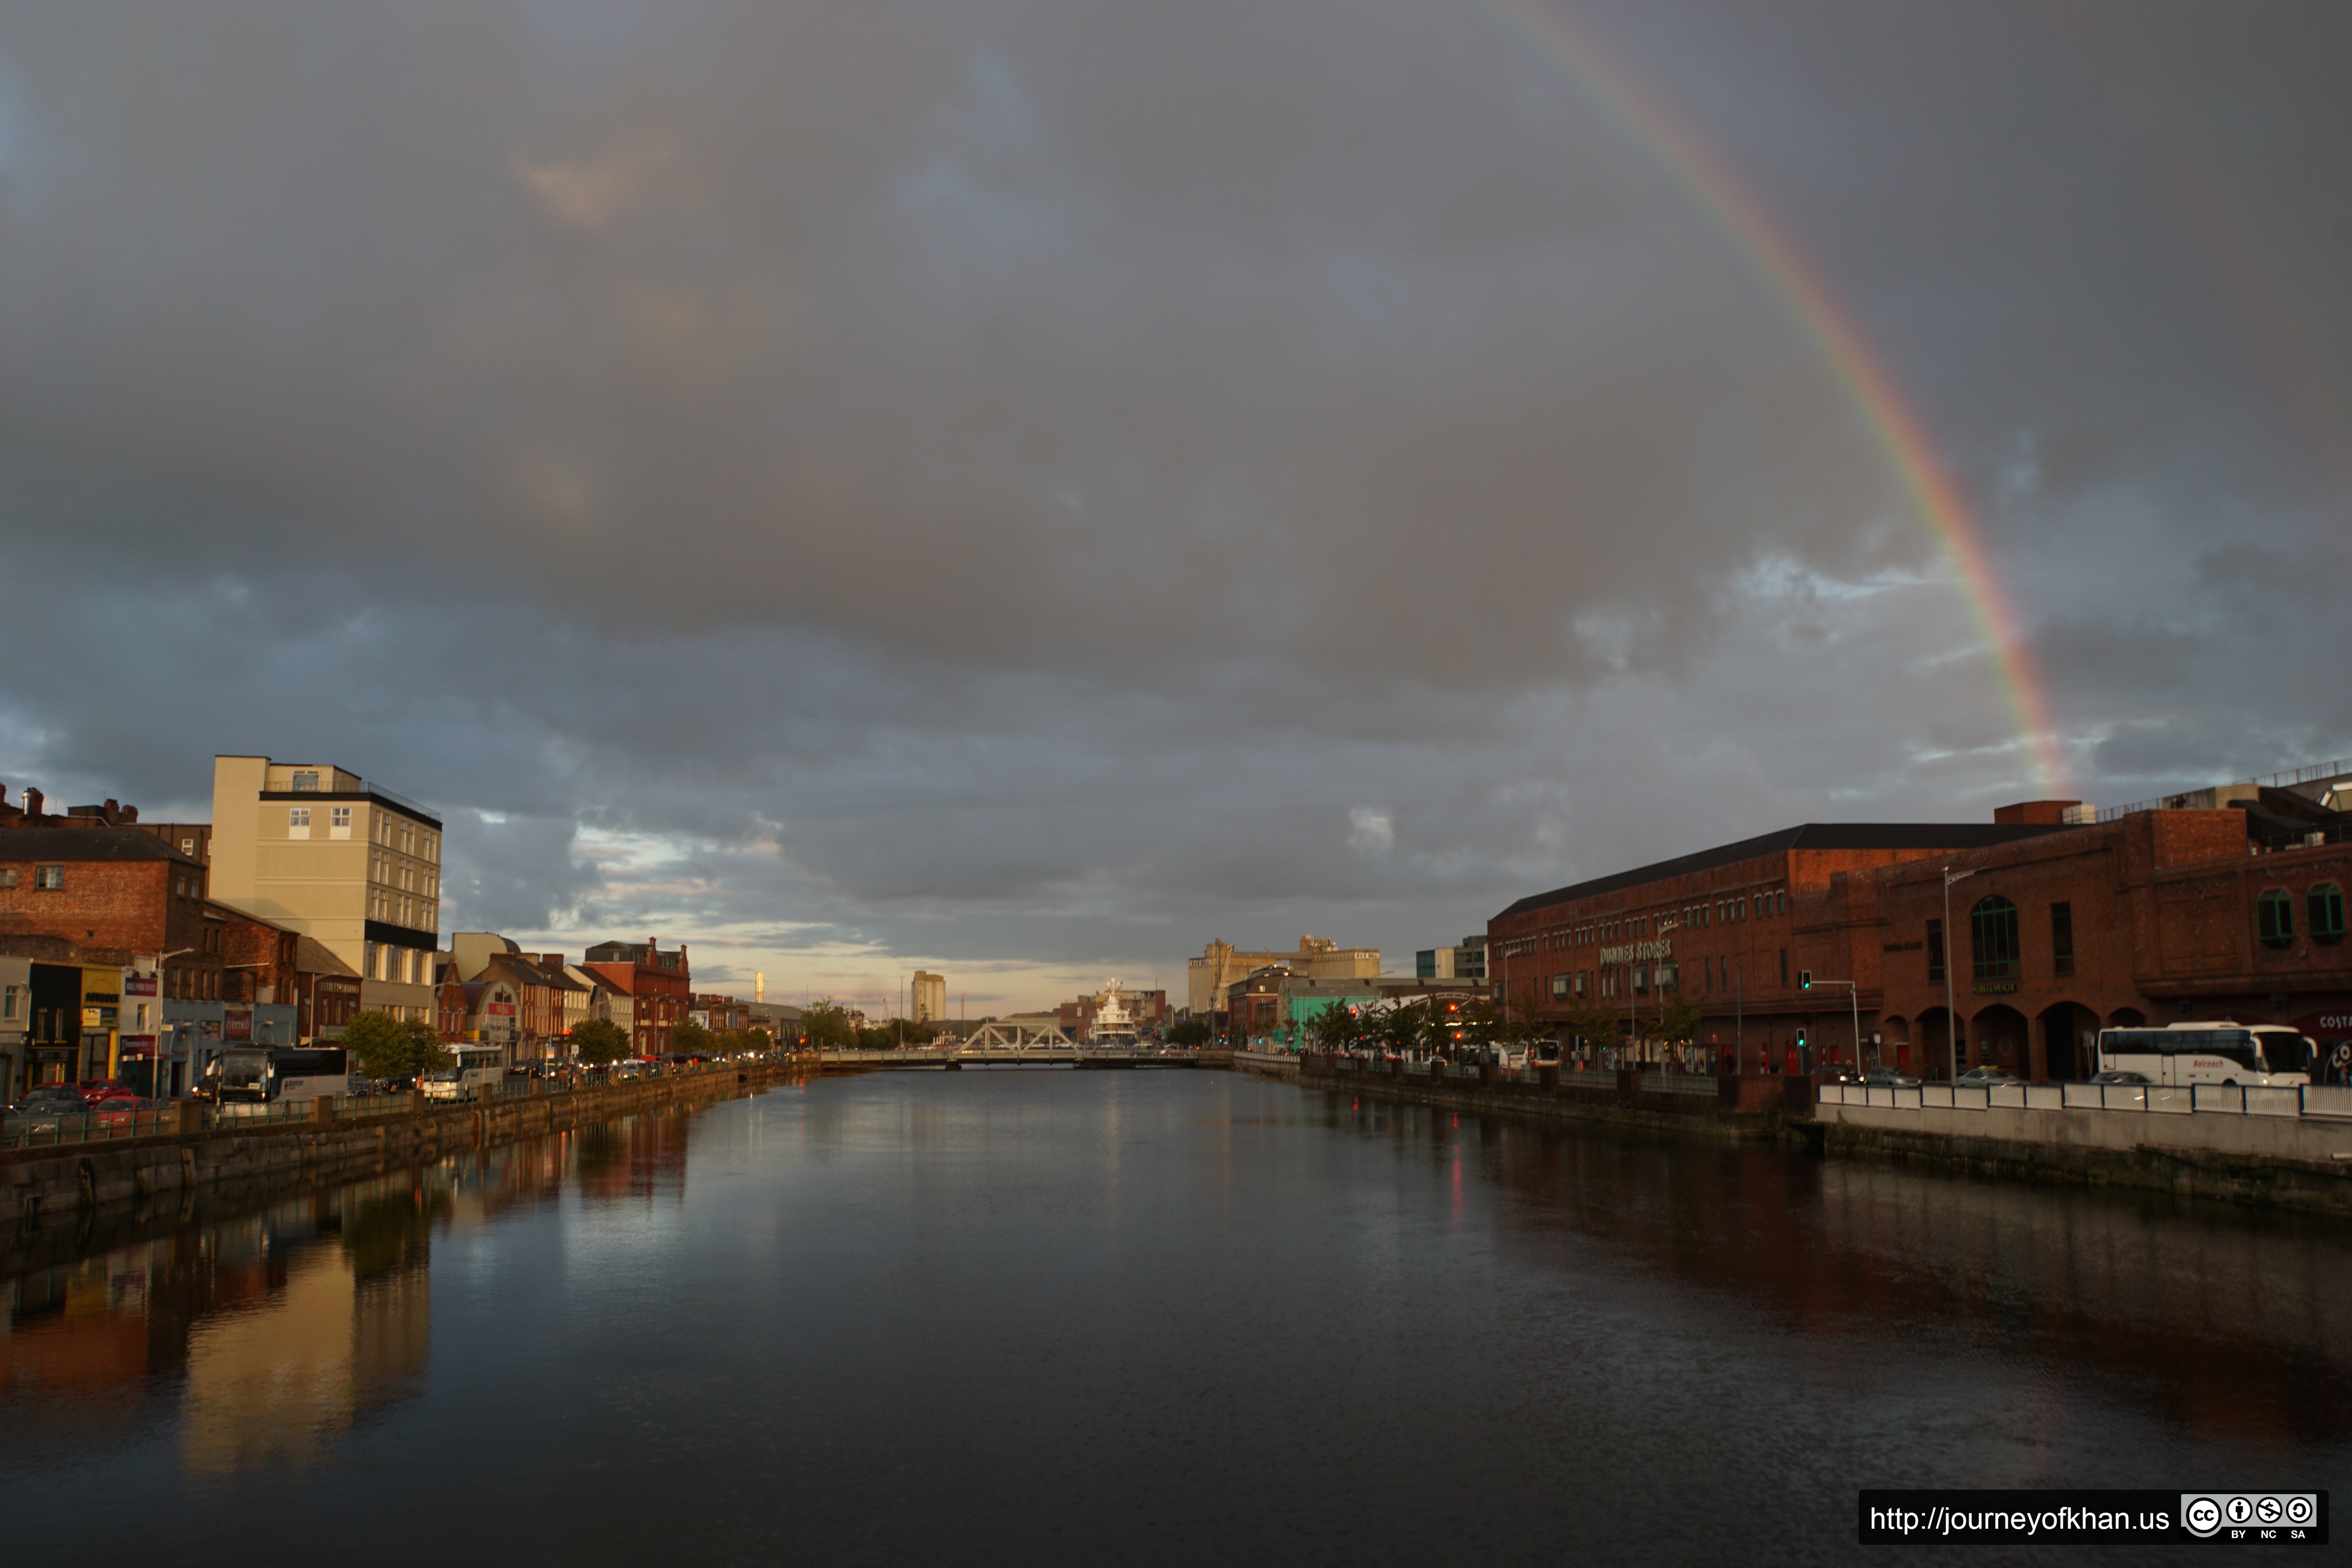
(44, 1183)
(2302, 1162)
(1720, 1108)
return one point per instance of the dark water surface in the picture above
(1148, 1316)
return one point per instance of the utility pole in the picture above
(1951, 1014)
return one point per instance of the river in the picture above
(1142, 1317)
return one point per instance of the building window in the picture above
(1934, 945)
(188, 847)
(1992, 933)
(306, 782)
(8, 877)
(339, 822)
(49, 877)
(1641, 980)
(2327, 913)
(8, 1002)
(2061, 938)
(1670, 978)
(298, 822)
(1558, 987)
(2275, 916)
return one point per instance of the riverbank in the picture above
(45, 1184)
(1729, 1109)
(2277, 1161)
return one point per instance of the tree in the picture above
(386, 1046)
(1189, 1032)
(597, 1041)
(1594, 1021)
(826, 1028)
(688, 1038)
(1330, 1028)
(425, 1049)
(380, 1043)
(1678, 1018)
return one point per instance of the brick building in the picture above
(1738, 925)
(2151, 917)
(653, 988)
(2057, 928)
(112, 902)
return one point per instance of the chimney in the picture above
(112, 811)
(34, 801)
(758, 985)
(130, 813)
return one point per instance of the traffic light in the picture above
(1804, 980)
(1801, 1037)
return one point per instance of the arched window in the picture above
(1993, 926)
(2326, 912)
(2275, 916)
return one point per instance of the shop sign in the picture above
(138, 986)
(237, 1023)
(2324, 1026)
(1633, 951)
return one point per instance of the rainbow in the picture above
(1775, 257)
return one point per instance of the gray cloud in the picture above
(1027, 483)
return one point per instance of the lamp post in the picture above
(1951, 1013)
(1853, 995)
(155, 1061)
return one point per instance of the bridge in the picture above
(951, 1056)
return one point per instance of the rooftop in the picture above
(1828, 835)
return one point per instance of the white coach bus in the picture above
(471, 1069)
(2224, 1052)
(266, 1074)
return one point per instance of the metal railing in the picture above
(2319, 1101)
(44, 1128)
(2286, 780)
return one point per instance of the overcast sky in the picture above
(1022, 487)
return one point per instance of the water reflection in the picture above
(261, 1337)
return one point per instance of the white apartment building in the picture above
(351, 865)
(930, 997)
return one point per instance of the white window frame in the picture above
(298, 822)
(339, 822)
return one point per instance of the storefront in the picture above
(2332, 1033)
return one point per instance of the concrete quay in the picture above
(2297, 1162)
(2282, 1161)
(1726, 1108)
(42, 1184)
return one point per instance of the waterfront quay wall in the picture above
(46, 1182)
(2285, 1161)
(1731, 1108)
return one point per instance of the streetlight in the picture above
(1951, 1013)
(1805, 982)
(155, 1061)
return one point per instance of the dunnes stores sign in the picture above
(1637, 951)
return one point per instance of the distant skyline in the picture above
(1021, 488)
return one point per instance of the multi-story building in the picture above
(127, 912)
(720, 1014)
(532, 1002)
(1738, 926)
(1467, 961)
(1942, 947)
(2153, 916)
(654, 989)
(928, 997)
(325, 853)
(1211, 975)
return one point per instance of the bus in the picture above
(260, 1074)
(2223, 1052)
(471, 1069)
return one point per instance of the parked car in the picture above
(1977, 1077)
(109, 1089)
(1891, 1077)
(2112, 1076)
(53, 1094)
